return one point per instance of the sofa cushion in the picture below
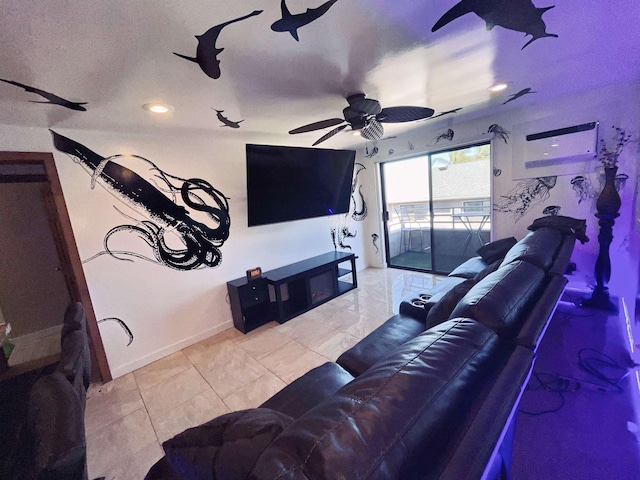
(538, 248)
(440, 311)
(75, 321)
(72, 362)
(73, 317)
(397, 419)
(492, 251)
(309, 390)
(501, 300)
(72, 355)
(492, 267)
(55, 425)
(379, 343)
(227, 447)
(470, 268)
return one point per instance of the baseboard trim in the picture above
(146, 360)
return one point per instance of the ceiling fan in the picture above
(366, 115)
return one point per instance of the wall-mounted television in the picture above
(293, 183)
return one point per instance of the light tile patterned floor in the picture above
(128, 419)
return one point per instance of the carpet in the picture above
(573, 421)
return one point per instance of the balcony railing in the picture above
(457, 233)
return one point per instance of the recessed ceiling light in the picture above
(498, 87)
(157, 107)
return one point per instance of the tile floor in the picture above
(128, 419)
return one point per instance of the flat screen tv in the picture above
(292, 183)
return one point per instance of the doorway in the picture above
(50, 266)
(437, 208)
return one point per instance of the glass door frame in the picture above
(386, 215)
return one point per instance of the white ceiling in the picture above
(118, 54)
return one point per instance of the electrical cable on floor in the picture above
(554, 384)
(594, 364)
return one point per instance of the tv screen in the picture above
(292, 183)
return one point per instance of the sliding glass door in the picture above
(437, 208)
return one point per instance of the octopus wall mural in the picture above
(374, 241)
(526, 194)
(339, 233)
(360, 205)
(160, 206)
(499, 132)
(123, 325)
(358, 211)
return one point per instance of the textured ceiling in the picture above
(117, 55)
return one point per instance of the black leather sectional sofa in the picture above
(431, 394)
(42, 420)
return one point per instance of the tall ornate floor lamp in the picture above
(607, 206)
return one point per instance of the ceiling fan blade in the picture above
(330, 134)
(404, 114)
(332, 122)
(373, 130)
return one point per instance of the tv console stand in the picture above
(286, 292)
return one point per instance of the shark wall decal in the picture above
(52, 99)
(291, 23)
(226, 122)
(521, 93)
(448, 112)
(207, 52)
(519, 15)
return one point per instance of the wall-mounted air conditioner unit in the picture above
(561, 151)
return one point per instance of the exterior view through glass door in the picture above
(437, 208)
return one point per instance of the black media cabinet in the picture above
(289, 291)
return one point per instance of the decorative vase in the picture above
(608, 202)
(607, 205)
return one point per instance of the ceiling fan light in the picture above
(157, 107)
(372, 130)
(498, 87)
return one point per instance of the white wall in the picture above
(167, 309)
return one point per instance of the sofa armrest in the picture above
(538, 319)
(563, 256)
(55, 426)
(479, 453)
(309, 390)
(161, 470)
(417, 305)
(382, 341)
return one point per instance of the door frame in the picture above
(429, 153)
(71, 264)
